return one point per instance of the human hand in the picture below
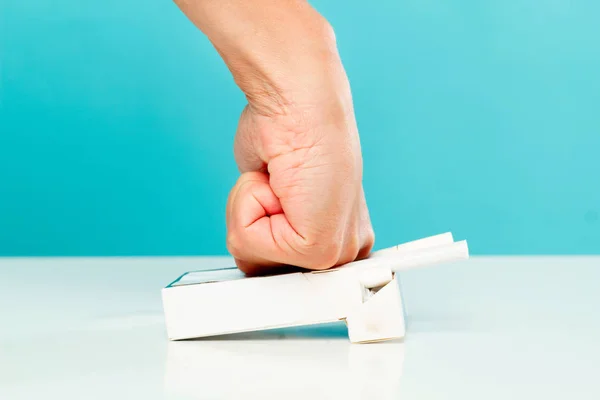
(300, 199)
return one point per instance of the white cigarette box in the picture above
(365, 294)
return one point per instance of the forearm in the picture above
(299, 199)
(280, 50)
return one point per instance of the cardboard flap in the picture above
(379, 318)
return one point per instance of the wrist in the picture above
(282, 53)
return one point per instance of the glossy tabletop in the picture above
(487, 328)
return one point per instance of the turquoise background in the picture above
(117, 120)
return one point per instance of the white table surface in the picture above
(487, 328)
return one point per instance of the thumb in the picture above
(259, 234)
(256, 225)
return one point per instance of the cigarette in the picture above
(437, 255)
(420, 244)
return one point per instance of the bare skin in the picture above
(299, 200)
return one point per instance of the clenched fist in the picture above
(299, 200)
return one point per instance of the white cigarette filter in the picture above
(365, 294)
(436, 255)
(421, 253)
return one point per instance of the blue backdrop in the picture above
(117, 120)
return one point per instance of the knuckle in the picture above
(322, 254)
(245, 267)
(352, 247)
(234, 244)
(369, 241)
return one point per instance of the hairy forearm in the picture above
(282, 50)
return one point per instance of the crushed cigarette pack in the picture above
(365, 294)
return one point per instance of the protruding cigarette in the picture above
(425, 243)
(441, 254)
